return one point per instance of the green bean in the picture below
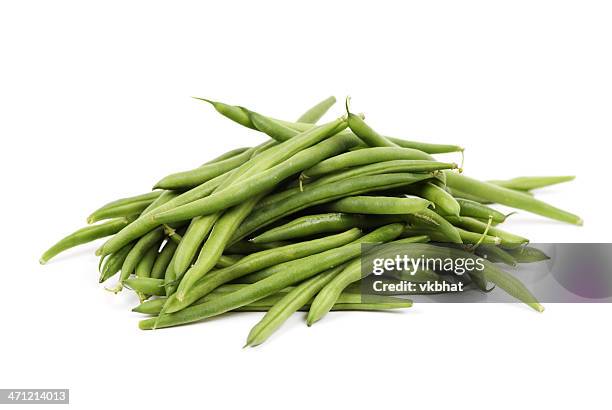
(476, 210)
(529, 183)
(495, 254)
(114, 262)
(510, 198)
(258, 261)
(145, 266)
(197, 176)
(163, 259)
(466, 236)
(322, 194)
(164, 197)
(378, 205)
(443, 201)
(386, 167)
(364, 156)
(528, 254)
(289, 304)
(225, 261)
(149, 196)
(364, 131)
(246, 247)
(198, 230)
(271, 128)
(146, 286)
(315, 113)
(353, 272)
(260, 182)
(288, 274)
(310, 225)
(474, 225)
(435, 221)
(85, 235)
(137, 253)
(232, 112)
(228, 154)
(130, 209)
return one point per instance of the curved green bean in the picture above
(443, 201)
(162, 261)
(149, 196)
(196, 233)
(84, 235)
(507, 239)
(381, 205)
(474, 209)
(315, 113)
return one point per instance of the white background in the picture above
(94, 104)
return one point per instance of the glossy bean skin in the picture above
(352, 272)
(314, 114)
(259, 182)
(194, 177)
(163, 260)
(510, 198)
(228, 154)
(83, 236)
(257, 261)
(245, 247)
(507, 239)
(444, 202)
(288, 274)
(297, 298)
(149, 196)
(378, 205)
(364, 156)
(474, 209)
(234, 113)
(322, 194)
(225, 261)
(529, 183)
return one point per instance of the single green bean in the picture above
(247, 247)
(130, 209)
(322, 194)
(228, 154)
(315, 113)
(529, 183)
(495, 254)
(434, 221)
(288, 274)
(378, 205)
(257, 261)
(510, 198)
(137, 253)
(85, 235)
(225, 261)
(476, 210)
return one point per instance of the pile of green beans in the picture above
(280, 227)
